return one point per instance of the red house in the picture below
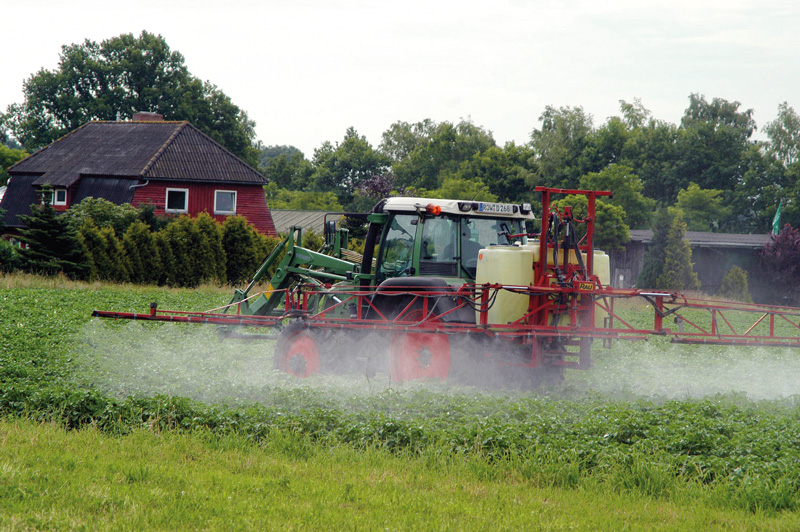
(171, 165)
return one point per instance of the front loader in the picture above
(483, 293)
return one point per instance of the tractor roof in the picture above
(461, 207)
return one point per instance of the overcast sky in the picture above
(306, 70)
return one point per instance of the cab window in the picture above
(439, 246)
(480, 233)
(397, 252)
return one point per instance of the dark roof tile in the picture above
(158, 150)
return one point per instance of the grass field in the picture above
(132, 425)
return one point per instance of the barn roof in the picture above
(700, 239)
(143, 150)
(285, 219)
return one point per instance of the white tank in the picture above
(508, 265)
(513, 265)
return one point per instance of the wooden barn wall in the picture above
(710, 263)
(627, 265)
(250, 201)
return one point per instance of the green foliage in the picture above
(142, 254)
(103, 213)
(424, 154)
(196, 250)
(8, 256)
(286, 167)
(560, 145)
(651, 150)
(299, 200)
(627, 193)
(211, 233)
(108, 257)
(147, 214)
(703, 210)
(784, 134)
(52, 246)
(712, 142)
(457, 188)
(677, 272)
(506, 171)
(667, 261)
(610, 232)
(125, 74)
(734, 286)
(8, 158)
(239, 241)
(342, 167)
(169, 267)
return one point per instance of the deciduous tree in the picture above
(426, 153)
(118, 77)
(703, 209)
(341, 167)
(627, 193)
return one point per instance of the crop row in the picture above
(52, 368)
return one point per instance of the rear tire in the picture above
(297, 351)
(423, 355)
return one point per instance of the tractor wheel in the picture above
(297, 351)
(420, 355)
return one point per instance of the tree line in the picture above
(709, 165)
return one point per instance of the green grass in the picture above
(51, 479)
(654, 437)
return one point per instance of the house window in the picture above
(224, 202)
(177, 200)
(60, 196)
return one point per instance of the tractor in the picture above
(478, 292)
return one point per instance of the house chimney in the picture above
(147, 117)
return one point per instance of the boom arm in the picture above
(297, 264)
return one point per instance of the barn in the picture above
(171, 165)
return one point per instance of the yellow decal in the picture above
(585, 287)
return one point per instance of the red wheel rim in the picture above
(420, 356)
(302, 356)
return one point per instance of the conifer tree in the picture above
(677, 273)
(167, 275)
(211, 231)
(654, 258)
(239, 243)
(668, 261)
(51, 246)
(142, 254)
(734, 286)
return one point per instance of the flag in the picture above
(776, 222)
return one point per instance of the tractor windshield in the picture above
(450, 244)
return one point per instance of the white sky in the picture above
(306, 70)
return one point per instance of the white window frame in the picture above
(55, 196)
(218, 211)
(185, 208)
